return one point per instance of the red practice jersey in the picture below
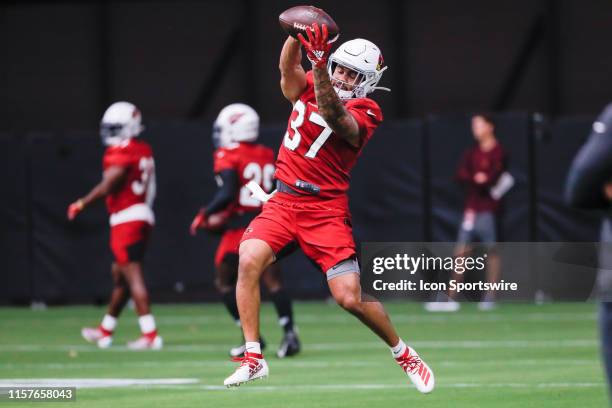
(133, 200)
(250, 161)
(311, 152)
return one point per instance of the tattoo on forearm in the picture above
(331, 107)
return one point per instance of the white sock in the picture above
(399, 349)
(147, 323)
(253, 347)
(109, 323)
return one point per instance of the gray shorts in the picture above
(481, 229)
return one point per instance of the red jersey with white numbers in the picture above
(250, 161)
(311, 152)
(133, 199)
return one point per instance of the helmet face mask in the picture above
(362, 57)
(219, 137)
(345, 89)
(120, 123)
(110, 129)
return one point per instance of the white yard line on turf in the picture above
(295, 363)
(400, 318)
(396, 316)
(422, 344)
(193, 383)
(94, 382)
(259, 387)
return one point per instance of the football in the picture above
(296, 19)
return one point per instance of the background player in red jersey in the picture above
(238, 160)
(128, 184)
(332, 120)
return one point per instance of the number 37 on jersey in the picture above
(314, 137)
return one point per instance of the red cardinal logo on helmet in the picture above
(381, 62)
(235, 117)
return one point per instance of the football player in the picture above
(238, 160)
(331, 121)
(128, 184)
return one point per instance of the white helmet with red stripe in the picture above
(121, 122)
(237, 122)
(363, 57)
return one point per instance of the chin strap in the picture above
(344, 94)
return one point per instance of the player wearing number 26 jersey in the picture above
(238, 160)
(331, 122)
(248, 161)
(128, 185)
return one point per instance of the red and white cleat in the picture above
(252, 367)
(98, 336)
(146, 342)
(419, 373)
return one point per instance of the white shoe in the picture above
(417, 370)
(450, 306)
(97, 336)
(146, 343)
(252, 367)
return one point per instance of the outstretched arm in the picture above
(112, 177)
(331, 108)
(293, 76)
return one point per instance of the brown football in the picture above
(296, 19)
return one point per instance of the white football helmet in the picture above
(237, 122)
(363, 57)
(121, 122)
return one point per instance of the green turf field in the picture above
(516, 356)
